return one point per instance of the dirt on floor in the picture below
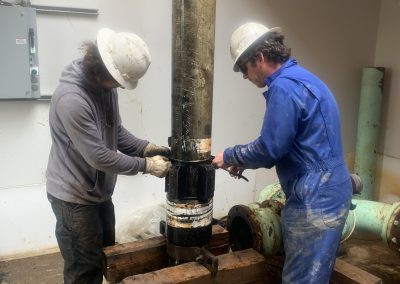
(43, 269)
(371, 255)
(368, 253)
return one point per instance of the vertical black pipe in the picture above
(190, 183)
(193, 29)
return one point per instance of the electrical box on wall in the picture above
(19, 66)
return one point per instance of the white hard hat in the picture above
(125, 55)
(244, 36)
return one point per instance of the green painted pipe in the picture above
(369, 114)
(258, 225)
(270, 224)
(370, 217)
(377, 218)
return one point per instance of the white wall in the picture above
(387, 55)
(332, 41)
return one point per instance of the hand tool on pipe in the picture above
(240, 176)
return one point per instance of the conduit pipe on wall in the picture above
(369, 115)
(258, 225)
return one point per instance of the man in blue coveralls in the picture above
(301, 137)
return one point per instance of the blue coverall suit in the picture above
(301, 137)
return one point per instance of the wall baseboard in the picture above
(29, 254)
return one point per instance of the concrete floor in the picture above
(362, 251)
(44, 269)
(369, 254)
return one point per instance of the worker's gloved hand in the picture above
(157, 166)
(154, 150)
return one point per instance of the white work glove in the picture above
(157, 166)
(154, 150)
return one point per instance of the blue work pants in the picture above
(312, 224)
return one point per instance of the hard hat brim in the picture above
(235, 66)
(104, 45)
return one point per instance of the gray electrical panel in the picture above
(19, 66)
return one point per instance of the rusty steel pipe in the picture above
(193, 32)
(190, 182)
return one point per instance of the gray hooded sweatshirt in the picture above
(86, 133)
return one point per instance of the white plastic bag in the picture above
(142, 224)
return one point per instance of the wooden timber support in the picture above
(146, 261)
(346, 273)
(143, 256)
(239, 267)
(343, 272)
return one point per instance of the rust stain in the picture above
(381, 213)
(350, 157)
(204, 145)
(191, 205)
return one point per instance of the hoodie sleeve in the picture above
(128, 143)
(78, 121)
(277, 134)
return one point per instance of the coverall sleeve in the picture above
(277, 134)
(78, 121)
(128, 143)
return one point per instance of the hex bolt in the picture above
(396, 222)
(394, 240)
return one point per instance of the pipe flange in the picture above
(394, 232)
(244, 229)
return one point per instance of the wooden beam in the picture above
(149, 255)
(240, 267)
(132, 258)
(343, 272)
(143, 256)
(347, 273)
(234, 268)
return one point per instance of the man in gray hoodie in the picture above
(90, 147)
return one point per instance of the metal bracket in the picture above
(208, 260)
(65, 10)
(201, 255)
